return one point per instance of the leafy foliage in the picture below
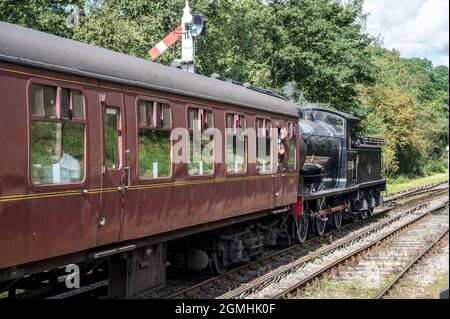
(44, 15)
(408, 106)
(392, 117)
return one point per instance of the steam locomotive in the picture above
(341, 173)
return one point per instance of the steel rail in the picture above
(391, 285)
(211, 282)
(356, 252)
(262, 281)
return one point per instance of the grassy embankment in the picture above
(402, 183)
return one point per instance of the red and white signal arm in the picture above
(165, 43)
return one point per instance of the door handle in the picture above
(127, 171)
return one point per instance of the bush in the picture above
(438, 166)
(399, 179)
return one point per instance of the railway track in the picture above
(443, 237)
(215, 286)
(292, 278)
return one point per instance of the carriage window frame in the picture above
(118, 137)
(228, 172)
(151, 127)
(190, 130)
(273, 160)
(292, 134)
(57, 118)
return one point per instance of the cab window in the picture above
(336, 122)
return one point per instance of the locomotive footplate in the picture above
(328, 193)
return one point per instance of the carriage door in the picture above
(284, 183)
(112, 169)
(280, 174)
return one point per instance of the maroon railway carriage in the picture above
(102, 200)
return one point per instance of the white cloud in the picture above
(416, 28)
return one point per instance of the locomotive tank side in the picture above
(321, 151)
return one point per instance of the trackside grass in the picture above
(403, 184)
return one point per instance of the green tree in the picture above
(392, 117)
(321, 45)
(427, 89)
(130, 27)
(236, 45)
(43, 15)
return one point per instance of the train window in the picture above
(71, 104)
(57, 140)
(111, 131)
(162, 112)
(145, 113)
(263, 145)
(201, 146)
(43, 100)
(335, 122)
(166, 120)
(77, 104)
(292, 150)
(192, 117)
(236, 143)
(154, 114)
(154, 128)
(154, 153)
(66, 107)
(57, 152)
(208, 120)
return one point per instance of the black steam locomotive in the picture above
(341, 172)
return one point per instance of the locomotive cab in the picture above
(323, 149)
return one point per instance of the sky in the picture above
(416, 28)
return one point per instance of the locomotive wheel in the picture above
(364, 214)
(301, 225)
(336, 219)
(319, 225)
(217, 265)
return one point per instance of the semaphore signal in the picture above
(190, 28)
(165, 43)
